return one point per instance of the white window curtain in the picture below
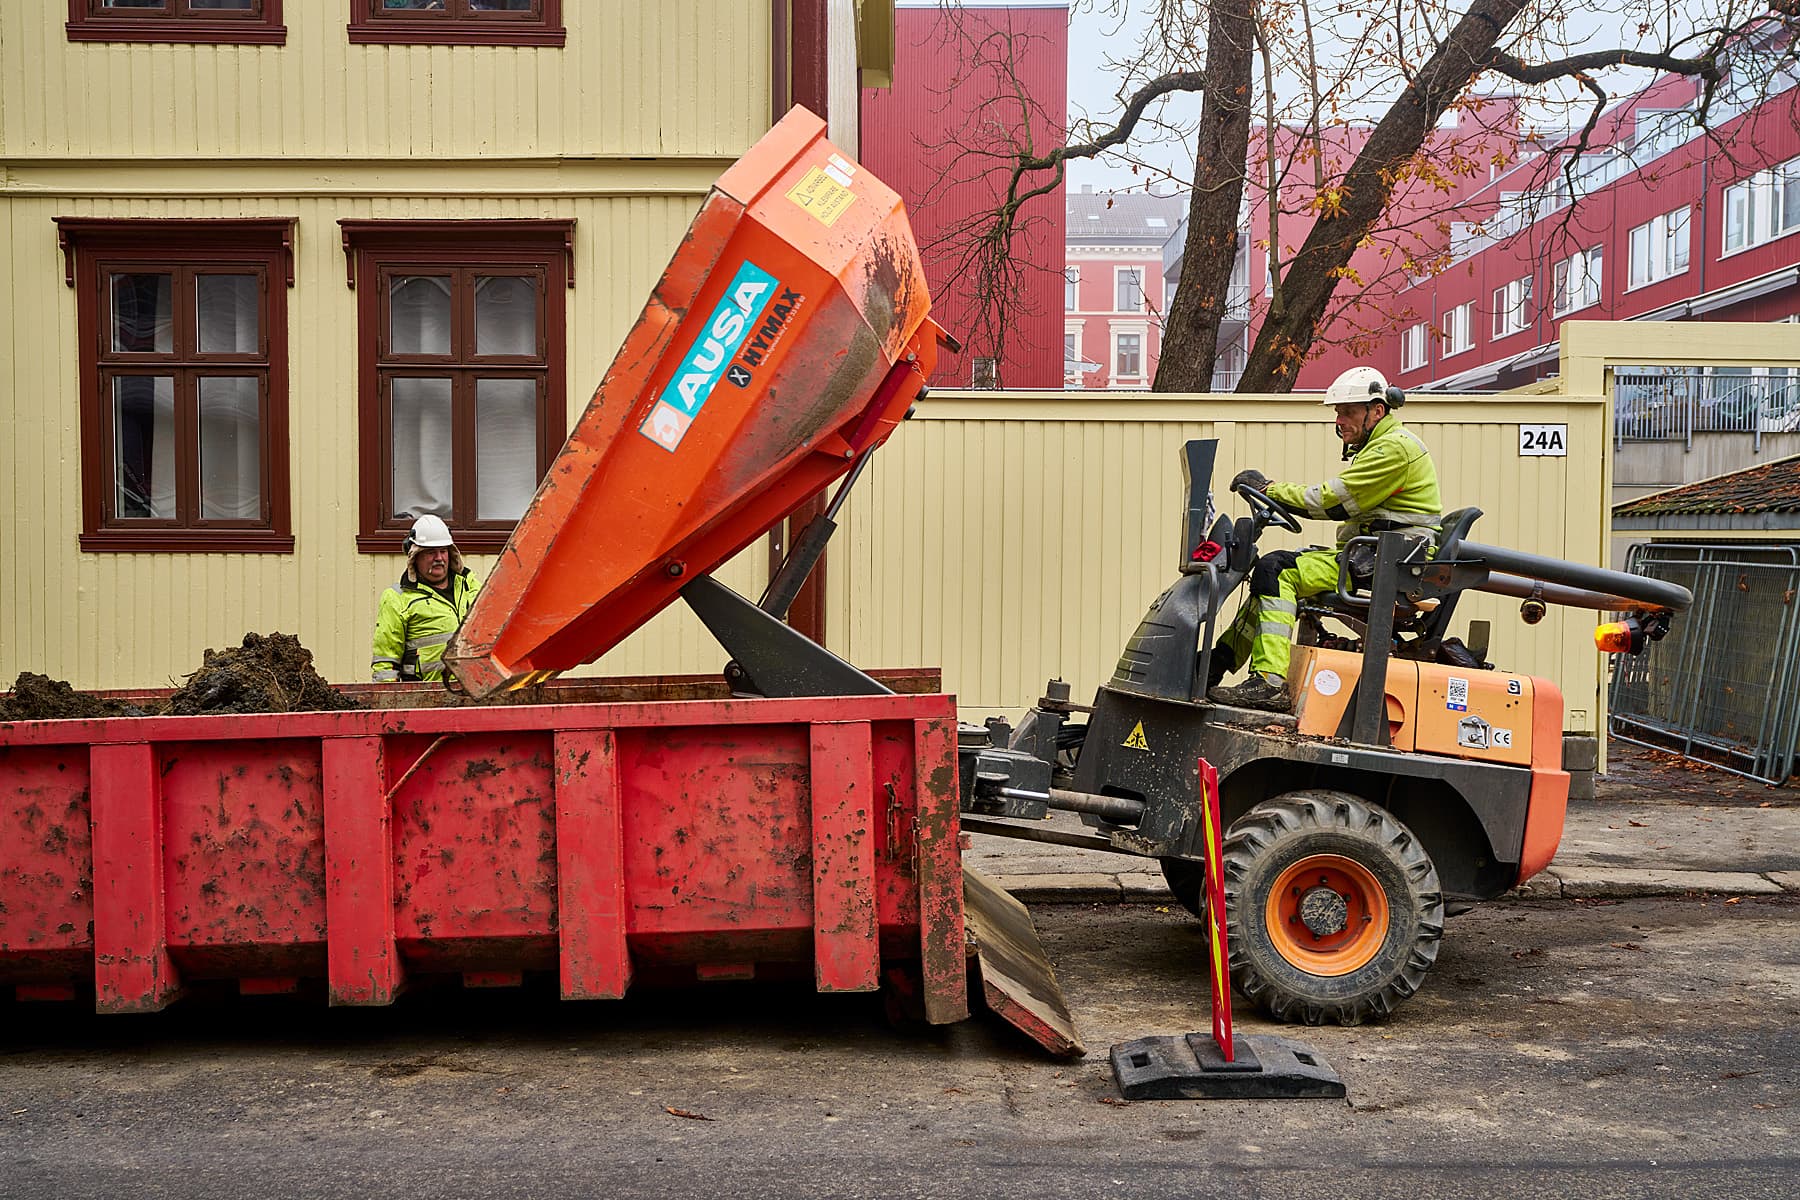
(144, 446)
(422, 446)
(505, 447)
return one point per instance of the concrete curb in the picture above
(1557, 883)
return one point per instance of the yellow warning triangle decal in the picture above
(1135, 741)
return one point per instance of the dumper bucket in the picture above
(786, 338)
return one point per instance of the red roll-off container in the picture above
(686, 840)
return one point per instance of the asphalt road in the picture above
(1635, 1049)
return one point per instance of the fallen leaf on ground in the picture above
(1735, 900)
(1638, 824)
(1115, 1101)
(685, 1114)
(1626, 946)
(1534, 952)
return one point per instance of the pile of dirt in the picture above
(268, 673)
(40, 698)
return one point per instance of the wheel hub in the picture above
(1323, 911)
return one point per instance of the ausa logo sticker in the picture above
(705, 362)
(1135, 739)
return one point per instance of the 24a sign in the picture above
(1543, 441)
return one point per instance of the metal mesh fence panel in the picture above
(1724, 685)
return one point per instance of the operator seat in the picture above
(1430, 626)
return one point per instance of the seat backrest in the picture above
(1455, 527)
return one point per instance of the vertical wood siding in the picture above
(140, 620)
(675, 77)
(1013, 539)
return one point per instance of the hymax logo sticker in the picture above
(704, 363)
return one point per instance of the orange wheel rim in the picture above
(1327, 915)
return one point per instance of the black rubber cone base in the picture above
(1190, 1067)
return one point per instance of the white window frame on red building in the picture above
(1415, 346)
(1657, 249)
(1564, 275)
(1459, 329)
(1512, 307)
(1761, 208)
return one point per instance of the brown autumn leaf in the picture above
(1735, 900)
(1638, 824)
(1626, 946)
(685, 1114)
(1115, 1101)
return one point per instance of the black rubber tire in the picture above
(1187, 883)
(1282, 831)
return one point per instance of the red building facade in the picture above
(1657, 219)
(923, 138)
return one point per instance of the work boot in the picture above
(1267, 692)
(1221, 667)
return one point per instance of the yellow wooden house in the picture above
(281, 272)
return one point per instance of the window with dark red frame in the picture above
(189, 21)
(458, 22)
(183, 362)
(462, 358)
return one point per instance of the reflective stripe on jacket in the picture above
(416, 620)
(1391, 478)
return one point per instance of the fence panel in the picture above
(1724, 686)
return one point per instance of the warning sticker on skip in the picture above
(1456, 695)
(824, 193)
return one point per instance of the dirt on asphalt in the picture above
(1640, 775)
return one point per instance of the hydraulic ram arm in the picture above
(786, 339)
(1555, 581)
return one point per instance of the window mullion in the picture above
(187, 446)
(462, 447)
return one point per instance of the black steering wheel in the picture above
(1266, 510)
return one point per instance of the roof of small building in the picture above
(1769, 488)
(1112, 216)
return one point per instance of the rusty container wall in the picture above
(787, 337)
(676, 841)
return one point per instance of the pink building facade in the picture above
(912, 139)
(1115, 291)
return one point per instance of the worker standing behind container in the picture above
(418, 615)
(1389, 484)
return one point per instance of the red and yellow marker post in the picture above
(1215, 909)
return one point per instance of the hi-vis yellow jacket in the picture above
(414, 624)
(1391, 479)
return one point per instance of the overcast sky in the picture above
(1093, 37)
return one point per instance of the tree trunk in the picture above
(1190, 344)
(1312, 275)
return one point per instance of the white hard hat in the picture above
(1360, 385)
(428, 532)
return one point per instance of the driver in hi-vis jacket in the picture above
(1388, 483)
